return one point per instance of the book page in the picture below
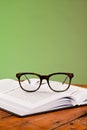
(8, 84)
(30, 99)
(13, 98)
(80, 95)
(44, 95)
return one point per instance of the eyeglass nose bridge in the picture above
(46, 77)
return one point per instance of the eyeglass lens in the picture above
(59, 82)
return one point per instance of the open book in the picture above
(13, 99)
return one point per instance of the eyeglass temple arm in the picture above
(27, 78)
(64, 80)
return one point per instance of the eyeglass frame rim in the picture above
(41, 77)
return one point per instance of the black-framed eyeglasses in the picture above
(31, 82)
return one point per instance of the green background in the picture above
(43, 36)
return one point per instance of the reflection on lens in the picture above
(59, 82)
(30, 82)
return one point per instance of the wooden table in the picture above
(68, 119)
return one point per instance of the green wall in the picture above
(43, 36)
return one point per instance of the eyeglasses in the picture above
(31, 82)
